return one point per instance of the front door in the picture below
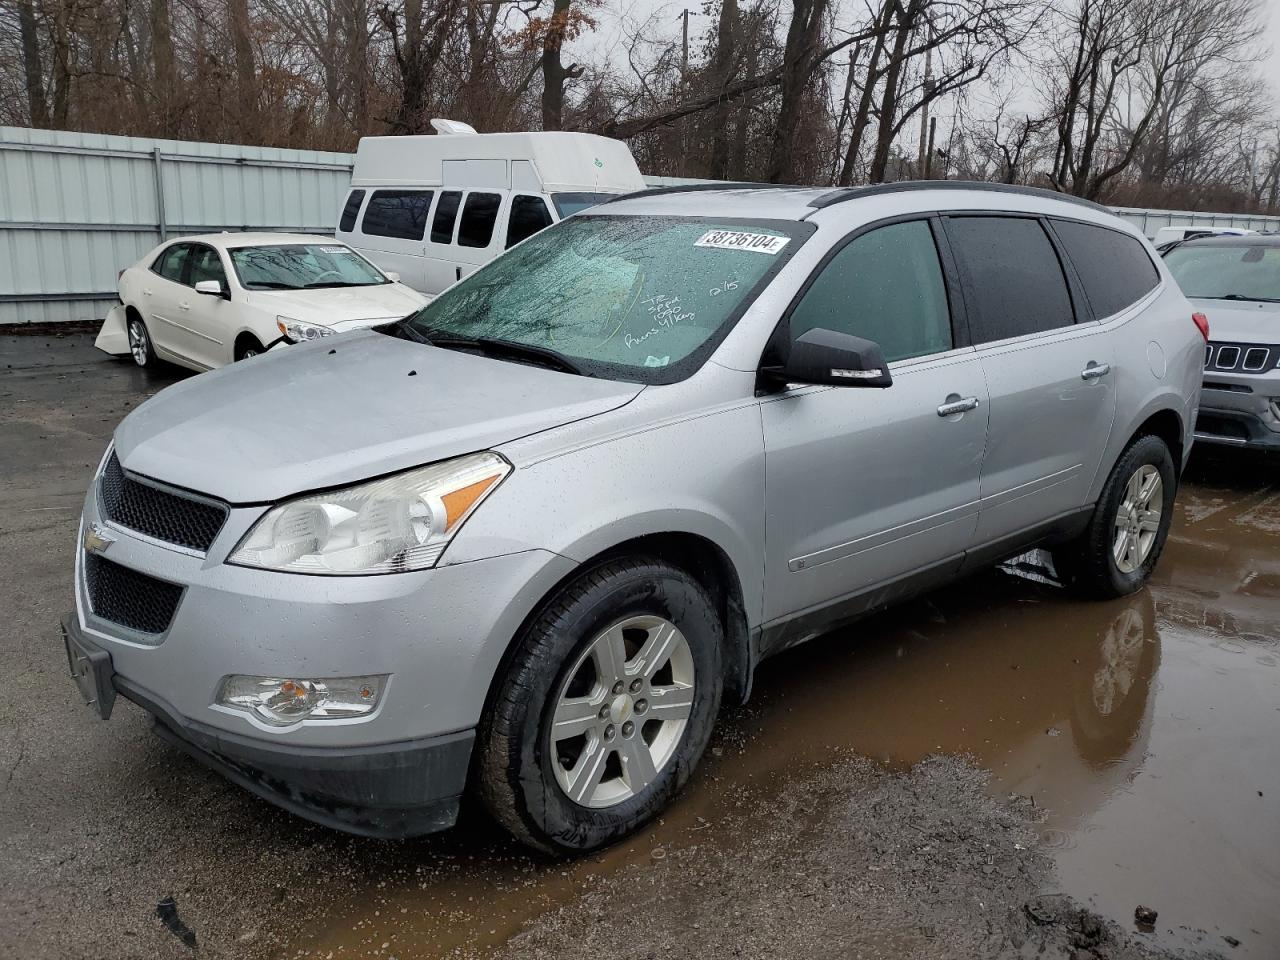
(1052, 387)
(867, 489)
(209, 317)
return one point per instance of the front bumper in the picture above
(387, 790)
(1240, 411)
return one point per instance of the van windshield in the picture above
(1223, 270)
(624, 297)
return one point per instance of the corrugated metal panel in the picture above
(76, 207)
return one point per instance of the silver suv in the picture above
(526, 541)
(1235, 282)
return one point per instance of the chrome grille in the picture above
(131, 599)
(158, 512)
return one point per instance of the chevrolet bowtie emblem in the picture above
(96, 539)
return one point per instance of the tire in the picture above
(525, 778)
(1090, 563)
(247, 347)
(140, 345)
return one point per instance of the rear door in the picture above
(1048, 368)
(864, 486)
(441, 268)
(164, 292)
(392, 232)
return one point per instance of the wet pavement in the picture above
(1144, 733)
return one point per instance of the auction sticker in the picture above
(736, 240)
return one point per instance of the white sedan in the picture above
(203, 302)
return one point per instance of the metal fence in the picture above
(75, 208)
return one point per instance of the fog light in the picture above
(281, 701)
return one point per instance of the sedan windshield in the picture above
(303, 266)
(1226, 271)
(631, 298)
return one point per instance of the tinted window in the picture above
(347, 222)
(528, 216)
(207, 265)
(401, 214)
(173, 262)
(478, 217)
(1013, 280)
(1114, 268)
(446, 214)
(886, 286)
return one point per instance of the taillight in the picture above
(1202, 324)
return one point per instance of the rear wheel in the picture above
(605, 709)
(1126, 534)
(140, 347)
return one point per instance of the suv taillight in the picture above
(1202, 324)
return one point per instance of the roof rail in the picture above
(696, 187)
(841, 194)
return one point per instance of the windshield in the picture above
(568, 204)
(631, 298)
(303, 266)
(1232, 271)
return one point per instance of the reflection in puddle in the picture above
(1148, 728)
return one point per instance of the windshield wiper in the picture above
(271, 285)
(496, 346)
(1241, 296)
(334, 283)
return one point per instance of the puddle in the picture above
(1148, 727)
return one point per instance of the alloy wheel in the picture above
(621, 711)
(138, 345)
(1138, 518)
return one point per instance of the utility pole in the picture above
(922, 155)
(684, 35)
(928, 157)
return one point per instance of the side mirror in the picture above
(393, 276)
(212, 288)
(835, 359)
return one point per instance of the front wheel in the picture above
(605, 709)
(1116, 553)
(247, 347)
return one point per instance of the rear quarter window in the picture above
(1114, 267)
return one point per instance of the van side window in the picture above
(401, 214)
(1115, 268)
(446, 214)
(887, 286)
(1013, 281)
(479, 215)
(528, 216)
(347, 222)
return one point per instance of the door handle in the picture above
(956, 404)
(1095, 370)
(146, 293)
(184, 306)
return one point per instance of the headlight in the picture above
(281, 702)
(300, 332)
(399, 523)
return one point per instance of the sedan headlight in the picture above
(392, 525)
(300, 332)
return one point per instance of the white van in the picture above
(435, 208)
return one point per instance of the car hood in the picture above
(343, 409)
(1241, 321)
(340, 307)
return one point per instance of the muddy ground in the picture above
(1118, 755)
